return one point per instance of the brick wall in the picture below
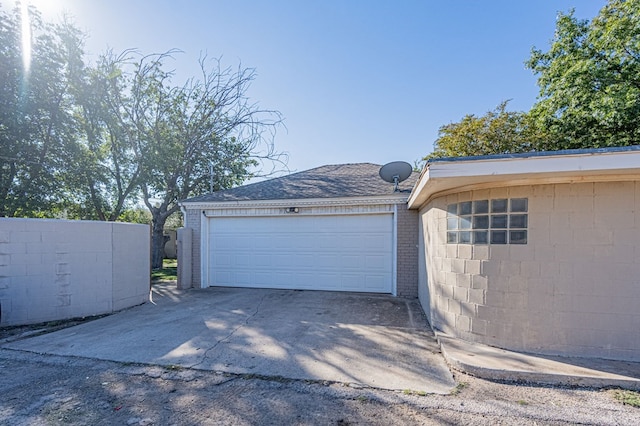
(193, 220)
(407, 255)
(573, 289)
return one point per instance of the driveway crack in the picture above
(227, 337)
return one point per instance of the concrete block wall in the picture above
(573, 289)
(407, 254)
(55, 269)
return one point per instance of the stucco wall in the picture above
(573, 289)
(55, 269)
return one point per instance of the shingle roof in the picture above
(341, 180)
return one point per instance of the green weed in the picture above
(459, 387)
(627, 397)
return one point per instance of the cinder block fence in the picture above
(59, 269)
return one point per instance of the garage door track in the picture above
(361, 339)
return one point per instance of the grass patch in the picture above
(458, 388)
(169, 271)
(412, 392)
(627, 397)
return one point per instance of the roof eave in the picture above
(444, 176)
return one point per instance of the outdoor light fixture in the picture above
(292, 210)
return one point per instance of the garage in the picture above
(333, 228)
(319, 252)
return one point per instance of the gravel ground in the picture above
(51, 390)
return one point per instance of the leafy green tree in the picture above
(105, 182)
(589, 92)
(37, 126)
(590, 80)
(497, 132)
(135, 215)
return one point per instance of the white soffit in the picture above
(440, 176)
(391, 198)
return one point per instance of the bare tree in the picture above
(178, 132)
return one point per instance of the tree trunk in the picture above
(157, 240)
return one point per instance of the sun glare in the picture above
(26, 36)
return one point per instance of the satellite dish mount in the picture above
(395, 172)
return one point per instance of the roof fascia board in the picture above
(400, 198)
(447, 175)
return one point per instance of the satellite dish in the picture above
(395, 172)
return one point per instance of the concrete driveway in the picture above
(371, 340)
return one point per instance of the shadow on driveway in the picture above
(371, 340)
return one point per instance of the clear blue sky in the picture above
(356, 80)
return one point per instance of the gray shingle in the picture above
(341, 180)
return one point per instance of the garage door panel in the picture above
(326, 261)
(302, 261)
(351, 242)
(222, 260)
(352, 282)
(223, 277)
(303, 243)
(327, 241)
(222, 241)
(242, 260)
(329, 281)
(243, 278)
(262, 261)
(349, 262)
(348, 253)
(376, 240)
(263, 242)
(264, 279)
(375, 263)
(281, 242)
(281, 261)
(374, 283)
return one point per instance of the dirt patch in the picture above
(49, 390)
(18, 332)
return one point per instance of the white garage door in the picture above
(338, 253)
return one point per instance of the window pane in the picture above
(481, 206)
(481, 222)
(465, 208)
(499, 221)
(464, 237)
(452, 209)
(480, 237)
(499, 206)
(452, 237)
(519, 204)
(465, 222)
(498, 237)
(518, 221)
(452, 223)
(518, 237)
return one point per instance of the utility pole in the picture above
(211, 177)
